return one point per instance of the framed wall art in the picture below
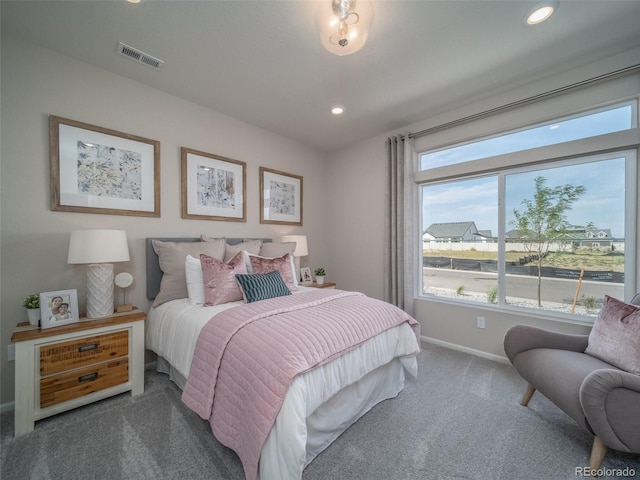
(59, 308)
(280, 197)
(98, 170)
(213, 187)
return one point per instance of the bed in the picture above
(320, 400)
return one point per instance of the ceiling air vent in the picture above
(139, 56)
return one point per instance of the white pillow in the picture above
(195, 282)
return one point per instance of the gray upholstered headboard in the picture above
(154, 273)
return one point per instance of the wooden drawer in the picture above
(60, 357)
(69, 385)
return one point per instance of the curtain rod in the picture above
(524, 101)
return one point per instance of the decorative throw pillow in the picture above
(172, 257)
(282, 264)
(219, 278)
(195, 283)
(261, 286)
(615, 336)
(273, 250)
(251, 246)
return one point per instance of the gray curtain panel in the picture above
(399, 242)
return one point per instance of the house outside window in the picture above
(536, 218)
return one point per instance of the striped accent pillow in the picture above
(261, 286)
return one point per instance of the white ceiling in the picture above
(262, 62)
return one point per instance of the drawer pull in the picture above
(86, 348)
(86, 378)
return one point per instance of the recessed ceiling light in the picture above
(541, 12)
(337, 110)
(134, 1)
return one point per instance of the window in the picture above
(551, 133)
(546, 234)
(459, 242)
(551, 216)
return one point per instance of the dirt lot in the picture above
(587, 259)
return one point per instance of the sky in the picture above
(476, 200)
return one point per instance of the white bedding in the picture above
(320, 404)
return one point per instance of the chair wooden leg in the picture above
(598, 451)
(527, 395)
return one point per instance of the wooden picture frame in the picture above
(213, 187)
(280, 197)
(58, 308)
(99, 170)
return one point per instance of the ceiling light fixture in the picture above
(343, 25)
(541, 12)
(337, 110)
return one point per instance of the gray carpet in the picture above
(460, 420)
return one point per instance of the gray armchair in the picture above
(598, 396)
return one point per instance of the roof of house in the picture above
(450, 230)
(576, 234)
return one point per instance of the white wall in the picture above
(36, 83)
(356, 186)
(355, 203)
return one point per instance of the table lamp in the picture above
(99, 249)
(302, 249)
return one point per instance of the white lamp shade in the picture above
(98, 246)
(302, 249)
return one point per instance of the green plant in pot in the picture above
(319, 275)
(32, 304)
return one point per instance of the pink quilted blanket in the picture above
(246, 358)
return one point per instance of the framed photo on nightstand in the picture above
(305, 274)
(59, 308)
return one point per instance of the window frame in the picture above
(633, 103)
(623, 143)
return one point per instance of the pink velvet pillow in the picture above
(219, 279)
(282, 264)
(615, 336)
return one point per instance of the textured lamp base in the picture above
(100, 290)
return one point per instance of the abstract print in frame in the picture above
(98, 170)
(213, 187)
(280, 197)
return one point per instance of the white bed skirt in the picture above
(306, 439)
(307, 435)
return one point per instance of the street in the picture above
(553, 289)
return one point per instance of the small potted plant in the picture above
(32, 304)
(319, 276)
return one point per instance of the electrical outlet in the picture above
(11, 352)
(480, 322)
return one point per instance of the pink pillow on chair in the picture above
(615, 337)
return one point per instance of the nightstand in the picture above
(64, 367)
(323, 285)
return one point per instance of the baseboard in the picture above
(461, 348)
(7, 407)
